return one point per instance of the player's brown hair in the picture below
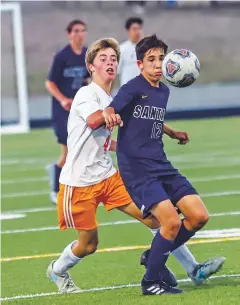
(98, 45)
(147, 43)
(75, 22)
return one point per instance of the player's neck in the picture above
(133, 41)
(77, 48)
(151, 82)
(105, 86)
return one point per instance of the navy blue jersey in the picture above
(140, 150)
(69, 73)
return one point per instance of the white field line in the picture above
(200, 160)
(200, 234)
(47, 209)
(194, 165)
(212, 164)
(7, 162)
(45, 192)
(34, 210)
(26, 194)
(39, 295)
(24, 180)
(196, 179)
(178, 157)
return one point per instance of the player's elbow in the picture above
(95, 120)
(47, 84)
(93, 124)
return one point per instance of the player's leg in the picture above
(160, 248)
(116, 197)
(72, 254)
(77, 210)
(185, 197)
(194, 211)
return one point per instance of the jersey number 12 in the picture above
(156, 130)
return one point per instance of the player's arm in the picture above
(51, 86)
(125, 96)
(97, 120)
(109, 115)
(113, 146)
(182, 136)
(88, 108)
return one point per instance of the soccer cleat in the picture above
(166, 275)
(63, 282)
(158, 288)
(205, 270)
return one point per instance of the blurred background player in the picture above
(127, 68)
(68, 73)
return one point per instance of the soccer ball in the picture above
(181, 68)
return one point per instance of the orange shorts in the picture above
(77, 205)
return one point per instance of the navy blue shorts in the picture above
(157, 189)
(60, 130)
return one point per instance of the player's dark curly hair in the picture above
(75, 22)
(147, 43)
(131, 21)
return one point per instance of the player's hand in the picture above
(66, 103)
(182, 136)
(111, 118)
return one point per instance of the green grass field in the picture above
(212, 163)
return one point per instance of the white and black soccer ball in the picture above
(181, 68)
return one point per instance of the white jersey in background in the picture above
(88, 161)
(128, 68)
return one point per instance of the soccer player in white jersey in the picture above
(128, 68)
(88, 176)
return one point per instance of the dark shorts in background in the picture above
(60, 130)
(153, 190)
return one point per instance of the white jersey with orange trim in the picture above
(88, 160)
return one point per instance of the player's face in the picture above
(105, 65)
(135, 32)
(151, 66)
(78, 34)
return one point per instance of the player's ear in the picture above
(91, 67)
(140, 64)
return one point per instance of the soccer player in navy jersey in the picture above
(154, 184)
(67, 75)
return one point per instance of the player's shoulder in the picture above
(132, 85)
(84, 50)
(86, 92)
(164, 87)
(125, 45)
(62, 52)
(134, 81)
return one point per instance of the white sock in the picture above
(183, 255)
(66, 260)
(185, 258)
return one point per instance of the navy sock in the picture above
(57, 172)
(183, 236)
(158, 256)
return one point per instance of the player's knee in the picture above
(199, 220)
(172, 227)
